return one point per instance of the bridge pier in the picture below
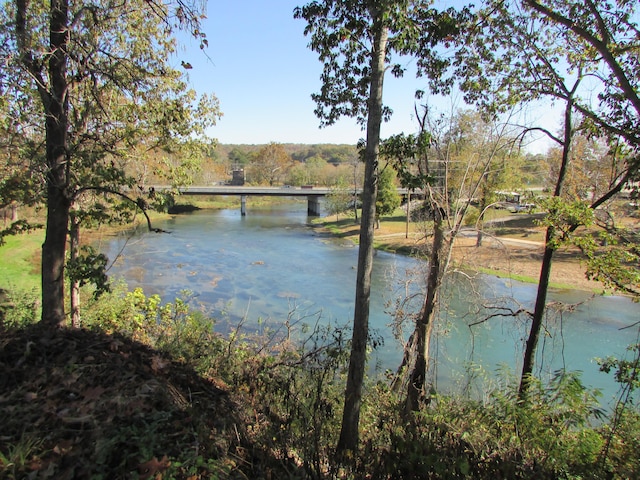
(243, 205)
(313, 205)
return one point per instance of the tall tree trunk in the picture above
(547, 260)
(58, 205)
(357, 362)
(74, 294)
(480, 223)
(416, 391)
(53, 257)
(538, 315)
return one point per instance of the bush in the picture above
(550, 437)
(297, 389)
(173, 328)
(19, 308)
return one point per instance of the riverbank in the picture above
(512, 247)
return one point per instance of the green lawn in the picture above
(20, 261)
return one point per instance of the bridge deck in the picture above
(266, 191)
(313, 194)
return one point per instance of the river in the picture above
(270, 264)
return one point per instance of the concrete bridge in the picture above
(313, 194)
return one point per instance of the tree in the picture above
(311, 171)
(239, 157)
(18, 186)
(564, 51)
(481, 141)
(388, 199)
(431, 162)
(339, 199)
(351, 40)
(315, 166)
(355, 163)
(94, 78)
(590, 172)
(270, 164)
(355, 40)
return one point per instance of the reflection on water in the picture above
(270, 263)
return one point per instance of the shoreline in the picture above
(501, 256)
(516, 257)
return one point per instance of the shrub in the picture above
(551, 437)
(19, 308)
(173, 328)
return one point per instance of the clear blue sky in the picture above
(263, 73)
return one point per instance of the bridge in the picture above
(313, 194)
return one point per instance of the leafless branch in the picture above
(507, 312)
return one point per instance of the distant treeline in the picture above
(331, 153)
(326, 164)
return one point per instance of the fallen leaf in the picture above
(63, 447)
(93, 393)
(158, 363)
(30, 396)
(153, 466)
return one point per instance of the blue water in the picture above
(270, 265)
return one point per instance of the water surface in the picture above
(271, 265)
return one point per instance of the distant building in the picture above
(508, 197)
(238, 177)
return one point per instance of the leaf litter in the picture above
(84, 404)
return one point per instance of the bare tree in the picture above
(430, 162)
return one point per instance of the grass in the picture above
(225, 202)
(517, 226)
(392, 235)
(526, 279)
(209, 201)
(20, 261)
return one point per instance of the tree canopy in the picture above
(270, 164)
(582, 54)
(89, 89)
